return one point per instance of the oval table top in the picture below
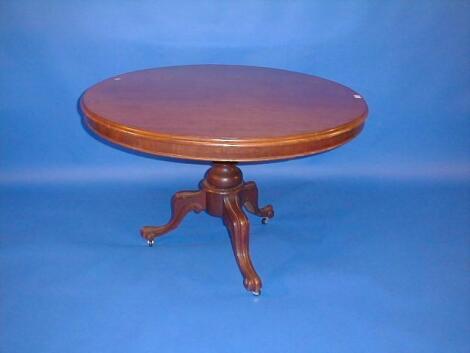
(223, 112)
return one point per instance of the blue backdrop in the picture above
(370, 247)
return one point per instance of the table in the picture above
(223, 114)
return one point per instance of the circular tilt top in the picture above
(223, 112)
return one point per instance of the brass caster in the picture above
(264, 220)
(256, 293)
(150, 243)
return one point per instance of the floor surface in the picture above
(348, 266)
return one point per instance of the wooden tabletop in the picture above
(223, 112)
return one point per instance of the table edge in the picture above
(211, 149)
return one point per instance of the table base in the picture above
(222, 193)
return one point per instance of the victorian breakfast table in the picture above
(223, 114)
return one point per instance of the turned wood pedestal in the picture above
(222, 193)
(223, 114)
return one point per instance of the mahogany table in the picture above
(223, 114)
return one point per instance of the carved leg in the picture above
(182, 203)
(239, 228)
(249, 198)
(222, 194)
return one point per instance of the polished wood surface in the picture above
(222, 193)
(223, 112)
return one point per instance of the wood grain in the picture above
(223, 112)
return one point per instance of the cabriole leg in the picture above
(249, 198)
(239, 228)
(182, 203)
(222, 194)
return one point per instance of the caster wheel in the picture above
(150, 243)
(264, 220)
(256, 293)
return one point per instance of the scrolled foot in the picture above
(249, 198)
(239, 228)
(150, 233)
(253, 284)
(182, 203)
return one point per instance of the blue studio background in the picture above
(370, 247)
